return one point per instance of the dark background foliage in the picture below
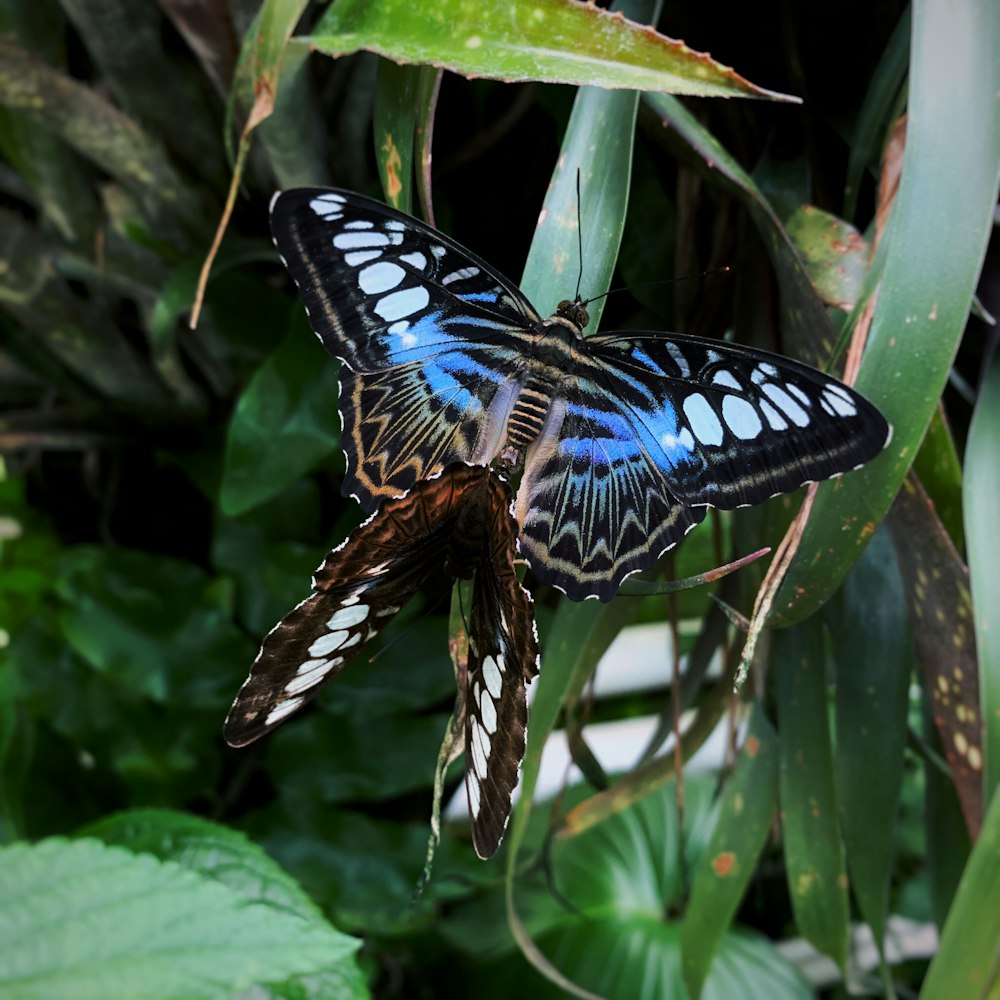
(166, 494)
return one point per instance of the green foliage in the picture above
(165, 494)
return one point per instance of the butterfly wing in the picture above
(432, 339)
(358, 590)
(503, 656)
(652, 430)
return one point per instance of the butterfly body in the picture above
(625, 439)
(460, 518)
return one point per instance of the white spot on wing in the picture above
(775, 420)
(726, 378)
(359, 257)
(460, 275)
(417, 260)
(396, 305)
(478, 754)
(378, 278)
(840, 400)
(675, 352)
(704, 423)
(346, 617)
(360, 241)
(740, 417)
(488, 713)
(474, 796)
(283, 710)
(305, 679)
(786, 404)
(491, 675)
(327, 643)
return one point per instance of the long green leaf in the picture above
(935, 246)
(746, 810)
(556, 41)
(982, 487)
(869, 624)
(968, 961)
(814, 854)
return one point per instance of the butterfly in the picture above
(461, 518)
(626, 438)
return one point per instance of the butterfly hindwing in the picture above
(359, 588)
(503, 657)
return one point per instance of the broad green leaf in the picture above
(621, 879)
(966, 962)
(869, 624)
(208, 849)
(745, 814)
(555, 41)
(554, 264)
(982, 487)
(935, 246)
(81, 920)
(814, 854)
(284, 425)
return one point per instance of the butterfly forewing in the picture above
(730, 426)
(431, 336)
(503, 656)
(359, 588)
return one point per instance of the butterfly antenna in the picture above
(579, 236)
(655, 284)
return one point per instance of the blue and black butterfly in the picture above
(626, 438)
(461, 519)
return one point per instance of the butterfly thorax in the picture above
(552, 363)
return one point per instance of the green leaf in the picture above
(876, 114)
(106, 136)
(395, 120)
(622, 877)
(814, 854)
(982, 487)
(834, 252)
(549, 40)
(207, 849)
(937, 587)
(285, 423)
(869, 624)
(935, 246)
(82, 920)
(966, 962)
(148, 623)
(745, 814)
